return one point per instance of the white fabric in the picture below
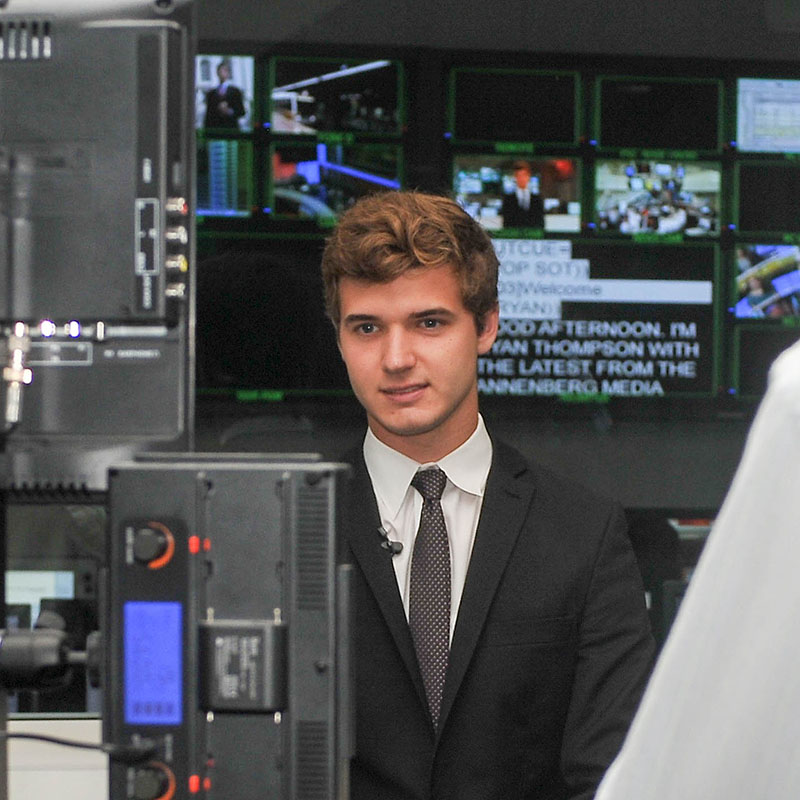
(720, 719)
(400, 505)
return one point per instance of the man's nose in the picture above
(398, 352)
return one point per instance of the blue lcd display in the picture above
(153, 647)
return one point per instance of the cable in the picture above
(125, 754)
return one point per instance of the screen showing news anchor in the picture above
(767, 281)
(503, 192)
(223, 92)
(657, 197)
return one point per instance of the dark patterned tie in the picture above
(429, 600)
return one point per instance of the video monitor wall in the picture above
(286, 143)
(645, 216)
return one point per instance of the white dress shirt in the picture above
(400, 505)
(721, 715)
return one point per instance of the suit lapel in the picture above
(509, 490)
(376, 564)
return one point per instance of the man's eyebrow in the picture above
(351, 318)
(433, 312)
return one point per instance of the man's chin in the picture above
(411, 426)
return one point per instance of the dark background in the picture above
(681, 461)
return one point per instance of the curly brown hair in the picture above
(385, 235)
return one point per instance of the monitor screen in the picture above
(767, 115)
(658, 197)
(314, 95)
(262, 334)
(665, 113)
(769, 197)
(152, 634)
(318, 181)
(767, 281)
(755, 347)
(585, 320)
(224, 177)
(29, 586)
(510, 193)
(224, 92)
(514, 105)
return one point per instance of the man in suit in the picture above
(523, 208)
(526, 688)
(225, 102)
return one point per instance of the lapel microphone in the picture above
(387, 544)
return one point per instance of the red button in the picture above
(194, 545)
(194, 784)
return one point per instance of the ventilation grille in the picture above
(312, 546)
(25, 40)
(312, 761)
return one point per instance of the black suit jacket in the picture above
(514, 216)
(550, 653)
(234, 98)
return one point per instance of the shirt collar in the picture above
(391, 472)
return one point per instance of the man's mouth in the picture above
(403, 391)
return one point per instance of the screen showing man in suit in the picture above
(523, 208)
(501, 636)
(225, 102)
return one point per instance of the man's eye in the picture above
(366, 327)
(431, 323)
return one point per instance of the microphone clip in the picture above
(395, 548)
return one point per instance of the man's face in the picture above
(411, 350)
(224, 72)
(522, 175)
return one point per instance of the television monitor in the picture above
(486, 186)
(588, 320)
(262, 334)
(767, 197)
(767, 115)
(492, 105)
(755, 347)
(224, 92)
(767, 281)
(18, 616)
(659, 113)
(658, 198)
(28, 584)
(316, 182)
(310, 96)
(225, 177)
(96, 231)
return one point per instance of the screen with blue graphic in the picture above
(153, 645)
(318, 181)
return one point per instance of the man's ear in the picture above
(487, 332)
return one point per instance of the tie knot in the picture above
(430, 483)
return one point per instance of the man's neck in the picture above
(424, 448)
